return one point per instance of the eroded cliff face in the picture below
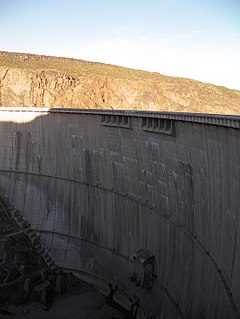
(43, 87)
(51, 88)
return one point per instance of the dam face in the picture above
(98, 186)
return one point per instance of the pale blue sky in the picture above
(199, 39)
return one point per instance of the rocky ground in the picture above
(41, 81)
(81, 302)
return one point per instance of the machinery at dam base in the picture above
(142, 205)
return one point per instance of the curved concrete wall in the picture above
(100, 185)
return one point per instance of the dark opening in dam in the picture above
(142, 207)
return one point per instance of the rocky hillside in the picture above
(42, 81)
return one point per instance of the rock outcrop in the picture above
(39, 81)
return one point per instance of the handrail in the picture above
(232, 121)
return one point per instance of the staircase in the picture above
(39, 248)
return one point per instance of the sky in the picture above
(198, 39)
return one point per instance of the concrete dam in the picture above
(113, 194)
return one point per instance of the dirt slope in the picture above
(41, 81)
